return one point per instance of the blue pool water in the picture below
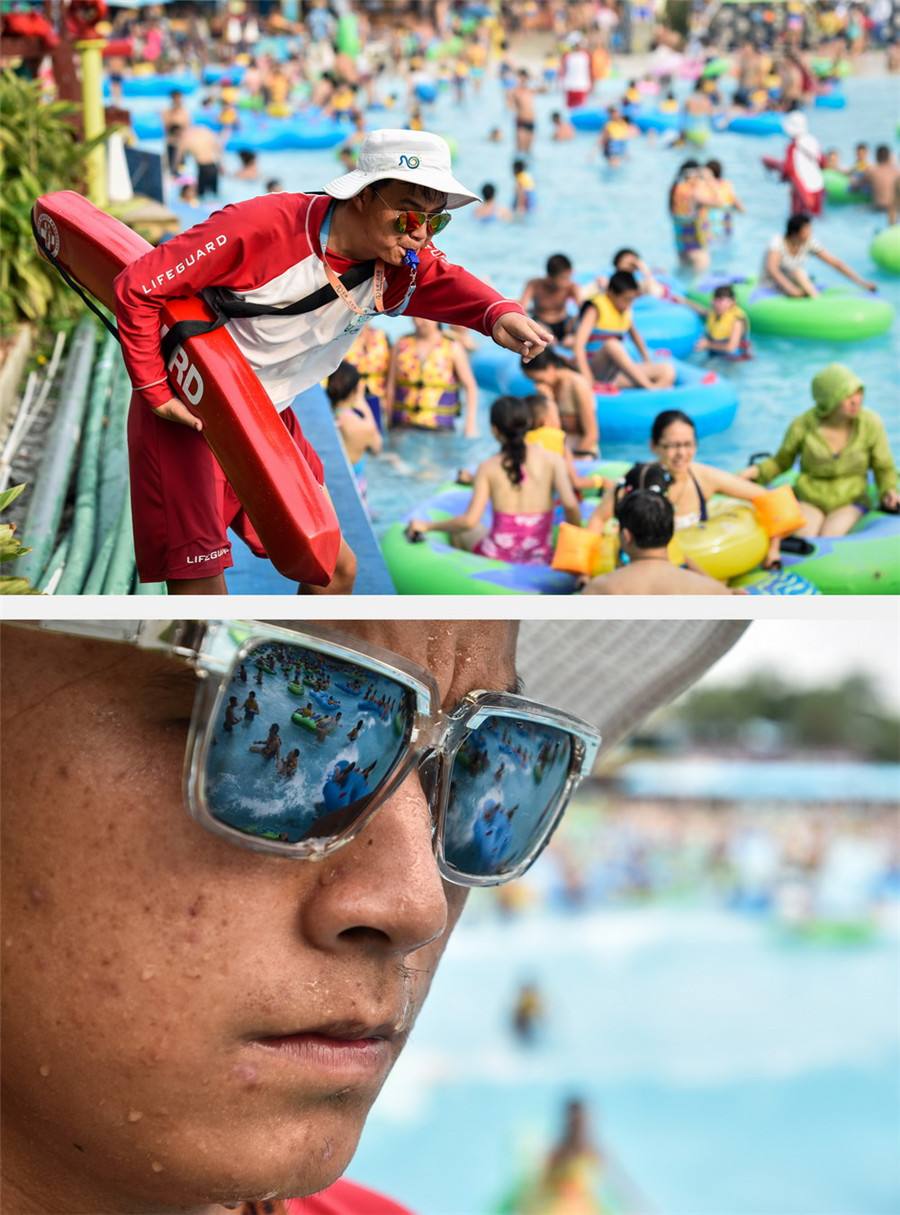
(788, 781)
(727, 1074)
(588, 211)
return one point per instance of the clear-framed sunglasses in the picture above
(298, 736)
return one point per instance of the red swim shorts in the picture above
(181, 501)
(576, 97)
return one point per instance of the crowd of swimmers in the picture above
(312, 676)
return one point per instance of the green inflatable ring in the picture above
(825, 67)
(885, 249)
(836, 314)
(434, 567)
(306, 722)
(864, 562)
(828, 932)
(716, 68)
(838, 191)
(296, 689)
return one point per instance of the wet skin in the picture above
(145, 958)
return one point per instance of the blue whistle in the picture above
(411, 259)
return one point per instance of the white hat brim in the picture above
(646, 663)
(352, 183)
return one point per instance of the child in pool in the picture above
(358, 429)
(547, 298)
(600, 352)
(727, 201)
(563, 130)
(525, 195)
(547, 432)
(615, 136)
(726, 328)
(519, 483)
(489, 209)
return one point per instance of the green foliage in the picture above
(10, 549)
(677, 16)
(846, 716)
(39, 152)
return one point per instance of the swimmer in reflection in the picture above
(529, 1014)
(269, 747)
(231, 715)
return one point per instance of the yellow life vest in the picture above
(617, 129)
(720, 328)
(551, 438)
(610, 322)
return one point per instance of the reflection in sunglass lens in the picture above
(408, 221)
(505, 786)
(303, 741)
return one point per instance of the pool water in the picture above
(725, 1072)
(588, 211)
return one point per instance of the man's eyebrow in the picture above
(516, 686)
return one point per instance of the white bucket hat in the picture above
(418, 157)
(615, 673)
(795, 124)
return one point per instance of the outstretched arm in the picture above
(843, 268)
(461, 523)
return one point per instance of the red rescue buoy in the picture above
(273, 481)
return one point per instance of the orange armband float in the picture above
(779, 511)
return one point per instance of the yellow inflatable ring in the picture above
(732, 542)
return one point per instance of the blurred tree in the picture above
(849, 715)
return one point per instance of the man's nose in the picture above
(385, 884)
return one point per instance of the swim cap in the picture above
(832, 385)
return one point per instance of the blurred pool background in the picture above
(588, 211)
(714, 937)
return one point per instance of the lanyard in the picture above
(411, 260)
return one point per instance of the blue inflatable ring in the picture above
(626, 415)
(766, 123)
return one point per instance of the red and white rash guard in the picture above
(342, 1198)
(345, 1198)
(267, 251)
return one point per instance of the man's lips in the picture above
(348, 1048)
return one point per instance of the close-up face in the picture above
(628, 262)
(721, 304)
(677, 446)
(381, 209)
(189, 1021)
